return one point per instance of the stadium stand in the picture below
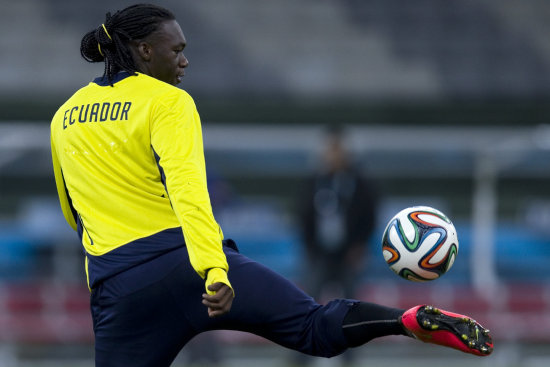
(352, 48)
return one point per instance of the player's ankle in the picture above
(366, 321)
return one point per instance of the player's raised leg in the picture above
(273, 307)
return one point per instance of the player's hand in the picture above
(219, 303)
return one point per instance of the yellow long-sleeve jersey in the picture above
(130, 173)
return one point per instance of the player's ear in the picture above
(144, 51)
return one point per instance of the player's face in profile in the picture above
(166, 60)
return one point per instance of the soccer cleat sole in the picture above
(446, 328)
(474, 336)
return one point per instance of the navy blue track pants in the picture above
(146, 315)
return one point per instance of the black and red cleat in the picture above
(432, 325)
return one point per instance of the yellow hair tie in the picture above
(107, 33)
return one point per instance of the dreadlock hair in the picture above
(110, 42)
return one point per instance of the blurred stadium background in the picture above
(446, 104)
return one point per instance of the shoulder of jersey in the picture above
(160, 90)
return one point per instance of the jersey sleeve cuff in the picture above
(216, 275)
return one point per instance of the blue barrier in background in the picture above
(262, 233)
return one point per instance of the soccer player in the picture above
(129, 167)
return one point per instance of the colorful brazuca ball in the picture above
(420, 243)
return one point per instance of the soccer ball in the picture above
(420, 243)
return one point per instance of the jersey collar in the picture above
(104, 82)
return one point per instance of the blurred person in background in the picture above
(338, 216)
(129, 167)
(339, 208)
